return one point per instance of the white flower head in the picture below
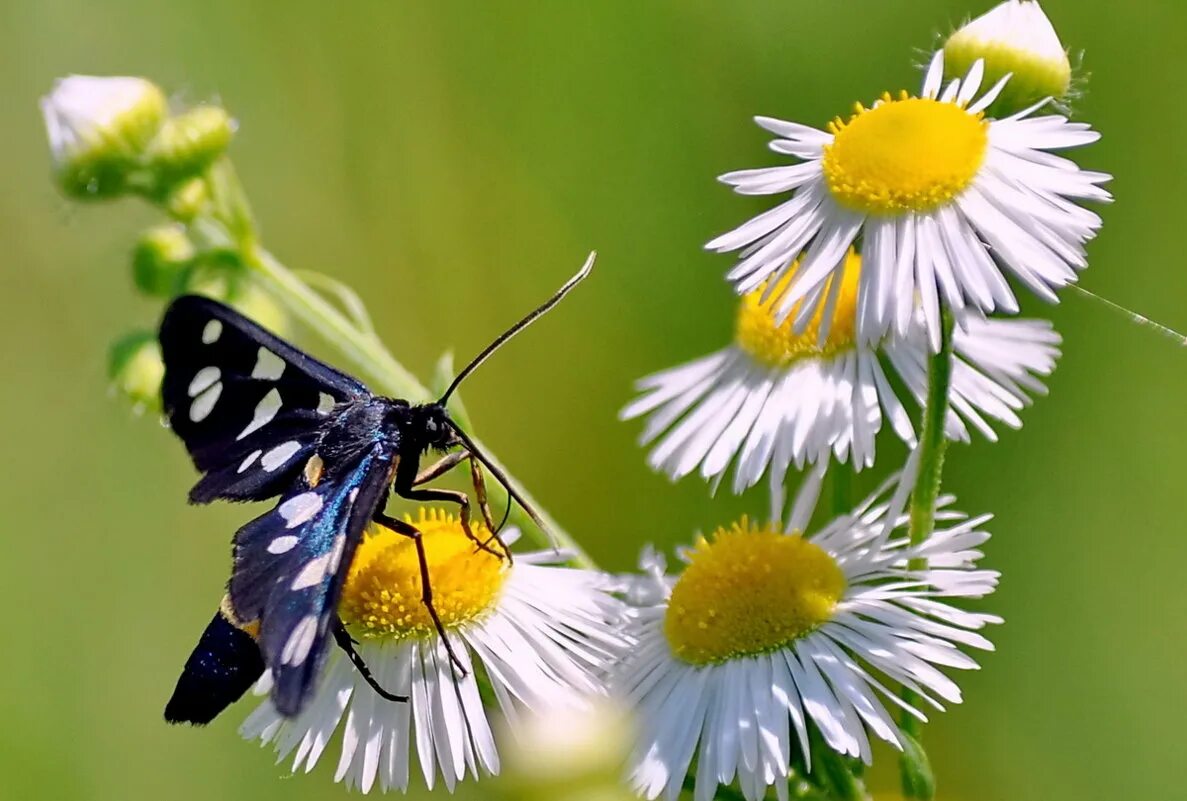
(98, 127)
(944, 202)
(539, 632)
(776, 399)
(1016, 38)
(766, 636)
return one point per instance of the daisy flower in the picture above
(944, 201)
(536, 631)
(777, 398)
(766, 638)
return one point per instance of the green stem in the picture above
(231, 226)
(932, 444)
(841, 478)
(388, 375)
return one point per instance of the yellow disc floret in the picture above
(382, 596)
(777, 344)
(750, 590)
(904, 154)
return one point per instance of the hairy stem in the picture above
(932, 444)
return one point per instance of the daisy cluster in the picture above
(881, 288)
(878, 290)
(782, 649)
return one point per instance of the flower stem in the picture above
(232, 227)
(932, 444)
(388, 375)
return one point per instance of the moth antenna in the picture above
(1132, 316)
(522, 324)
(513, 495)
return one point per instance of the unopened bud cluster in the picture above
(115, 135)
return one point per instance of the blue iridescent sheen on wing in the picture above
(290, 564)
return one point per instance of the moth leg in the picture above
(347, 644)
(479, 482)
(463, 502)
(426, 589)
(440, 467)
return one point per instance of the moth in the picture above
(262, 419)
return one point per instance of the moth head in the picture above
(433, 426)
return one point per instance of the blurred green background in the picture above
(454, 162)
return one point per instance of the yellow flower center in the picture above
(382, 596)
(778, 345)
(750, 590)
(904, 154)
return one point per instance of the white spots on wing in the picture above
(300, 641)
(211, 332)
(336, 553)
(325, 402)
(312, 574)
(203, 405)
(203, 380)
(266, 409)
(299, 508)
(279, 455)
(249, 461)
(269, 366)
(354, 493)
(283, 544)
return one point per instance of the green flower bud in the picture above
(255, 303)
(1014, 37)
(188, 143)
(186, 200)
(159, 259)
(135, 369)
(98, 129)
(918, 779)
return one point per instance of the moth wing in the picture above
(290, 565)
(247, 404)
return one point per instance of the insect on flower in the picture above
(261, 419)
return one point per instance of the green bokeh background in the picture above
(455, 161)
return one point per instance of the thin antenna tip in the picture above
(587, 268)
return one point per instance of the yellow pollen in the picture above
(778, 345)
(382, 596)
(750, 590)
(904, 154)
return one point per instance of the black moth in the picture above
(261, 419)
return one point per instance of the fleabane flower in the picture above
(765, 636)
(944, 201)
(776, 398)
(98, 128)
(1013, 38)
(538, 632)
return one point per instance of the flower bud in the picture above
(160, 256)
(187, 143)
(1014, 37)
(253, 302)
(186, 200)
(98, 129)
(136, 370)
(570, 755)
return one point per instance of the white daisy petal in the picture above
(544, 641)
(777, 400)
(704, 682)
(1002, 203)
